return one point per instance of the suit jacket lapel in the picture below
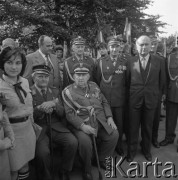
(40, 58)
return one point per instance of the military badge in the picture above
(96, 94)
(119, 70)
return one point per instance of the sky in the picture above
(168, 9)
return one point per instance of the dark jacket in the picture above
(56, 117)
(114, 91)
(145, 86)
(93, 97)
(172, 68)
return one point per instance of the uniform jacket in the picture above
(172, 68)
(58, 112)
(93, 97)
(36, 58)
(145, 86)
(71, 61)
(114, 91)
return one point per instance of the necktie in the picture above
(143, 63)
(114, 62)
(43, 92)
(19, 88)
(48, 63)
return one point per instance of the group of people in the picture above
(78, 102)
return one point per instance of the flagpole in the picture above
(176, 40)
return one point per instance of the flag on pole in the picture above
(129, 34)
(126, 26)
(100, 37)
(65, 50)
(127, 31)
(176, 43)
(164, 48)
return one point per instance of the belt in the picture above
(18, 120)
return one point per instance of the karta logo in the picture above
(139, 170)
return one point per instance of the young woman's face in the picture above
(13, 66)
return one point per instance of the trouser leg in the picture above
(85, 149)
(171, 119)
(68, 144)
(107, 143)
(43, 163)
(118, 119)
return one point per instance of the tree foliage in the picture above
(26, 20)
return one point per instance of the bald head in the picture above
(45, 44)
(8, 42)
(143, 44)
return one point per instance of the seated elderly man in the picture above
(48, 113)
(88, 113)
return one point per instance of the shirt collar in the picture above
(146, 57)
(39, 89)
(10, 81)
(114, 59)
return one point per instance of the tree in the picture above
(26, 20)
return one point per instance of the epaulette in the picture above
(91, 83)
(68, 87)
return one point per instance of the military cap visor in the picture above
(81, 68)
(78, 41)
(41, 69)
(117, 40)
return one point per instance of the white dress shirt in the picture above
(144, 61)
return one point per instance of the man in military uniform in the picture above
(172, 99)
(89, 114)
(154, 45)
(48, 113)
(78, 46)
(111, 79)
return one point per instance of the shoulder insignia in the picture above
(68, 87)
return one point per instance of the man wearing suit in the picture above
(78, 46)
(111, 75)
(89, 114)
(44, 56)
(47, 103)
(172, 99)
(145, 77)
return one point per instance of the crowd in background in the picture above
(50, 97)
